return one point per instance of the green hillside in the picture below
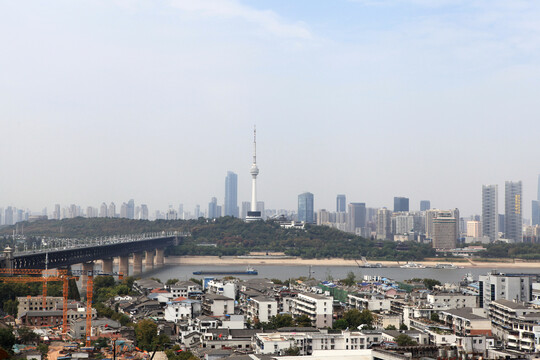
(231, 236)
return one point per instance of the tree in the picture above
(178, 354)
(101, 343)
(341, 324)
(435, 317)
(146, 334)
(11, 307)
(7, 339)
(391, 327)
(171, 282)
(44, 350)
(355, 318)
(280, 321)
(27, 335)
(303, 321)
(350, 280)
(405, 340)
(403, 327)
(431, 283)
(292, 351)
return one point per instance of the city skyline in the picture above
(103, 107)
(231, 182)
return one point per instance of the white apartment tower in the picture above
(490, 212)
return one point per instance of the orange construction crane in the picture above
(89, 295)
(14, 276)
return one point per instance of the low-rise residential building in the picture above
(261, 309)
(368, 301)
(316, 307)
(180, 309)
(495, 286)
(383, 321)
(77, 328)
(217, 305)
(505, 313)
(278, 343)
(449, 300)
(185, 289)
(464, 322)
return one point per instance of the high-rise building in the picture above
(8, 216)
(212, 208)
(357, 218)
(124, 210)
(103, 210)
(501, 223)
(130, 211)
(444, 230)
(431, 214)
(181, 211)
(56, 213)
(535, 212)
(231, 194)
(490, 212)
(401, 204)
(473, 229)
(305, 208)
(246, 206)
(144, 212)
(425, 205)
(254, 214)
(341, 203)
(260, 208)
(384, 224)
(513, 222)
(112, 210)
(323, 217)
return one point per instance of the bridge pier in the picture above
(159, 258)
(137, 264)
(107, 265)
(87, 266)
(149, 260)
(123, 265)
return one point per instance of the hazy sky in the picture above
(107, 100)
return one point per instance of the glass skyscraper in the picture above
(425, 205)
(513, 223)
(231, 194)
(305, 208)
(341, 203)
(401, 204)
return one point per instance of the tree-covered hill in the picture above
(235, 237)
(231, 236)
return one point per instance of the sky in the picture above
(108, 100)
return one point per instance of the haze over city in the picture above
(156, 101)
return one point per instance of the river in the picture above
(284, 272)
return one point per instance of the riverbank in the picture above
(232, 260)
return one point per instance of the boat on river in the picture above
(248, 271)
(412, 265)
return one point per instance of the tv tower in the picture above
(254, 215)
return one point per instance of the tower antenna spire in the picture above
(254, 144)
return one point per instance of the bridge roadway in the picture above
(85, 252)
